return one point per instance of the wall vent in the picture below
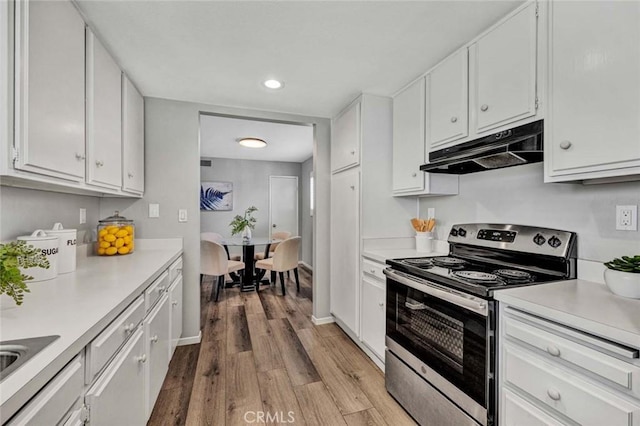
(205, 163)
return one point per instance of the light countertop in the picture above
(77, 306)
(583, 305)
(381, 255)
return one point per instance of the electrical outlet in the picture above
(627, 218)
(83, 216)
(182, 215)
(431, 212)
(154, 210)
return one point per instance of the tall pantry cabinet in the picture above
(362, 205)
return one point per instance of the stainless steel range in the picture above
(441, 325)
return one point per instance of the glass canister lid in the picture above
(115, 218)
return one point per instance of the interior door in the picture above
(283, 204)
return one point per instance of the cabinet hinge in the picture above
(85, 414)
(537, 103)
(537, 10)
(14, 156)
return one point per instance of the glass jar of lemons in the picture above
(115, 236)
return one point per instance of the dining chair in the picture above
(280, 235)
(285, 258)
(214, 262)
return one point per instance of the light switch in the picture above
(182, 215)
(154, 210)
(83, 216)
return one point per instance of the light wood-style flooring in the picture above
(262, 361)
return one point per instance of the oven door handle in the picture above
(455, 297)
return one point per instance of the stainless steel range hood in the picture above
(513, 147)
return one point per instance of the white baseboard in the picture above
(192, 340)
(320, 321)
(306, 266)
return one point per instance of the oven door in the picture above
(443, 334)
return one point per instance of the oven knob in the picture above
(454, 232)
(554, 242)
(539, 240)
(462, 232)
(423, 369)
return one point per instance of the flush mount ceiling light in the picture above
(273, 84)
(252, 142)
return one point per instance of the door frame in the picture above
(297, 203)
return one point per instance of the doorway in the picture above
(283, 204)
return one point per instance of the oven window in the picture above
(449, 339)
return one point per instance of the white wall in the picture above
(172, 179)
(306, 221)
(250, 188)
(518, 195)
(25, 210)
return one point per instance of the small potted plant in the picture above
(244, 224)
(622, 276)
(13, 256)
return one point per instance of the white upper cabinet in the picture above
(104, 116)
(345, 141)
(50, 85)
(409, 147)
(448, 96)
(132, 138)
(505, 71)
(592, 129)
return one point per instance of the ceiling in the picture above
(326, 52)
(285, 142)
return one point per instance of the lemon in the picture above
(130, 245)
(101, 251)
(129, 229)
(113, 230)
(121, 233)
(123, 250)
(102, 233)
(119, 242)
(128, 239)
(104, 244)
(111, 251)
(109, 237)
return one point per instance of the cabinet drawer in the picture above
(53, 402)
(518, 412)
(565, 392)
(175, 269)
(153, 293)
(102, 348)
(573, 352)
(373, 268)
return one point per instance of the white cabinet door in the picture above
(448, 97)
(50, 84)
(156, 329)
(118, 396)
(345, 140)
(175, 318)
(505, 72)
(594, 88)
(345, 237)
(409, 138)
(104, 116)
(515, 411)
(132, 138)
(373, 316)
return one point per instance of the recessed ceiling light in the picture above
(252, 142)
(273, 84)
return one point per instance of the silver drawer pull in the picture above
(174, 303)
(454, 119)
(154, 339)
(373, 271)
(484, 107)
(553, 394)
(161, 289)
(553, 350)
(128, 328)
(142, 358)
(381, 304)
(565, 145)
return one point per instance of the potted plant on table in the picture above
(622, 276)
(244, 224)
(13, 256)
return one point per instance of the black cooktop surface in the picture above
(480, 278)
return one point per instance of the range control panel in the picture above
(496, 235)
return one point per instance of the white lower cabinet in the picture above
(156, 331)
(372, 320)
(517, 411)
(175, 317)
(118, 396)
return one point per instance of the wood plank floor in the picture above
(262, 361)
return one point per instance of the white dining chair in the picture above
(285, 258)
(214, 262)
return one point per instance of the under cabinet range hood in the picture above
(513, 147)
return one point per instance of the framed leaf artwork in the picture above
(216, 196)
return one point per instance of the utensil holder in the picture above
(424, 241)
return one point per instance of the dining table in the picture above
(250, 281)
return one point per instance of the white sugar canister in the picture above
(48, 244)
(67, 247)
